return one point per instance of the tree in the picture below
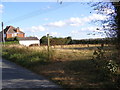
(117, 20)
(44, 40)
(56, 41)
(111, 26)
(69, 40)
(16, 38)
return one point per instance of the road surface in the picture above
(14, 76)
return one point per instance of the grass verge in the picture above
(70, 68)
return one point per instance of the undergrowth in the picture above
(107, 65)
(25, 56)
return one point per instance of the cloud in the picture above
(92, 29)
(56, 24)
(37, 36)
(94, 17)
(98, 17)
(54, 33)
(108, 11)
(1, 8)
(21, 29)
(81, 21)
(38, 28)
(74, 21)
(87, 29)
(77, 21)
(75, 32)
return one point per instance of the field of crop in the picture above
(69, 65)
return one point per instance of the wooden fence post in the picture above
(48, 46)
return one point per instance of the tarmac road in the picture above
(14, 76)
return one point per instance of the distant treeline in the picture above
(55, 40)
(94, 41)
(68, 40)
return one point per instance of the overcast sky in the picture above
(64, 19)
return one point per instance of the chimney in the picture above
(17, 29)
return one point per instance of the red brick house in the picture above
(10, 32)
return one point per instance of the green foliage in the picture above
(55, 40)
(98, 54)
(117, 22)
(105, 64)
(10, 39)
(113, 22)
(11, 42)
(114, 31)
(25, 56)
(44, 40)
(112, 66)
(93, 41)
(16, 39)
(68, 40)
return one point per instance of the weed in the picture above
(68, 66)
(106, 65)
(24, 56)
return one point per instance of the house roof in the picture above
(28, 38)
(11, 29)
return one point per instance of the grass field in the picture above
(69, 66)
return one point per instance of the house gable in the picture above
(11, 31)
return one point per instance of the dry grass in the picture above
(70, 66)
(70, 55)
(71, 74)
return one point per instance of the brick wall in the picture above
(18, 35)
(8, 35)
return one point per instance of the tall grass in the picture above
(24, 55)
(68, 66)
(77, 46)
(34, 54)
(28, 56)
(10, 42)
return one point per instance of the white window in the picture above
(14, 34)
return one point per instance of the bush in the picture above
(105, 64)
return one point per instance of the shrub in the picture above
(105, 64)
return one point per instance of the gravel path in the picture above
(14, 76)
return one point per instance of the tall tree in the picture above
(111, 25)
(44, 40)
(117, 20)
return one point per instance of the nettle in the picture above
(112, 66)
(105, 63)
(98, 54)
